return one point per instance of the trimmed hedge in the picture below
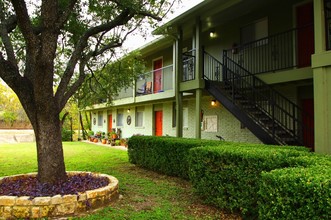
(228, 177)
(166, 155)
(296, 193)
(259, 181)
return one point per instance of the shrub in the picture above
(167, 155)
(296, 193)
(90, 133)
(260, 181)
(66, 134)
(228, 177)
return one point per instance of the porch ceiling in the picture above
(213, 13)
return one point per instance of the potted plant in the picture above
(123, 142)
(117, 142)
(113, 135)
(103, 138)
(91, 135)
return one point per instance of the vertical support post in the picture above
(199, 76)
(198, 51)
(179, 76)
(294, 117)
(225, 67)
(198, 98)
(322, 83)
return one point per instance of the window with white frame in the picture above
(210, 123)
(119, 117)
(100, 118)
(255, 31)
(139, 117)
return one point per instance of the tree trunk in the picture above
(47, 130)
(82, 125)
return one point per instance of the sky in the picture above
(135, 41)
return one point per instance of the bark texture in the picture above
(31, 74)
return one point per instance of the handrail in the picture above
(269, 54)
(281, 110)
(188, 65)
(143, 79)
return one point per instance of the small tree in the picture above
(58, 42)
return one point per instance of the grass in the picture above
(145, 194)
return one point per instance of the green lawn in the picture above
(146, 194)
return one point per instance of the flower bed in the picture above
(14, 207)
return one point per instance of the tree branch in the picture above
(121, 19)
(24, 22)
(6, 40)
(148, 14)
(20, 85)
(10, 23)
(64, 16)
(75, 86)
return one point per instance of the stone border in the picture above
(13, 207)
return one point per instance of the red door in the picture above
(308, 123)
(305, 20)
(110, 123)
(157, 69)
(158, 123)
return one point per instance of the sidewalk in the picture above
(106, 145)
(16, 136)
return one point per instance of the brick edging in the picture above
(14, 207)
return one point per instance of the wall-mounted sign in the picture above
(128, 120)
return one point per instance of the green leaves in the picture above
(106, 83)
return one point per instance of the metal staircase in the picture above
(269, 115)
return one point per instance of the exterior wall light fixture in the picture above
(213, 102)
(212, 34)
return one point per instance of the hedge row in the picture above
(229, 177)
(167, 155)
(297, 192)
(259, 181)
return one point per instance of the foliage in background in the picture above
(11, 111)
(104, 84)
(67, 135)
(49, 49)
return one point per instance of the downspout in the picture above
(179, 75)
(198, 76)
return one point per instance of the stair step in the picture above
(251, 102)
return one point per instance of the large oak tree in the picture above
(48, 47)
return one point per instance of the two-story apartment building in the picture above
(244, 70)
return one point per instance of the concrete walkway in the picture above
(16, 136)
(106, 145)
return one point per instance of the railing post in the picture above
(225, 66)
(273, 117)
(294, 121)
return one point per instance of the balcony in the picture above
(286, 50)
(188, 66)
(156, 81)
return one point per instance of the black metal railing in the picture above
(211, 67)
(269, 54)
(188, 65)
(145, 83)
(284, 114)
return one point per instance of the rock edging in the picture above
(13, 207)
